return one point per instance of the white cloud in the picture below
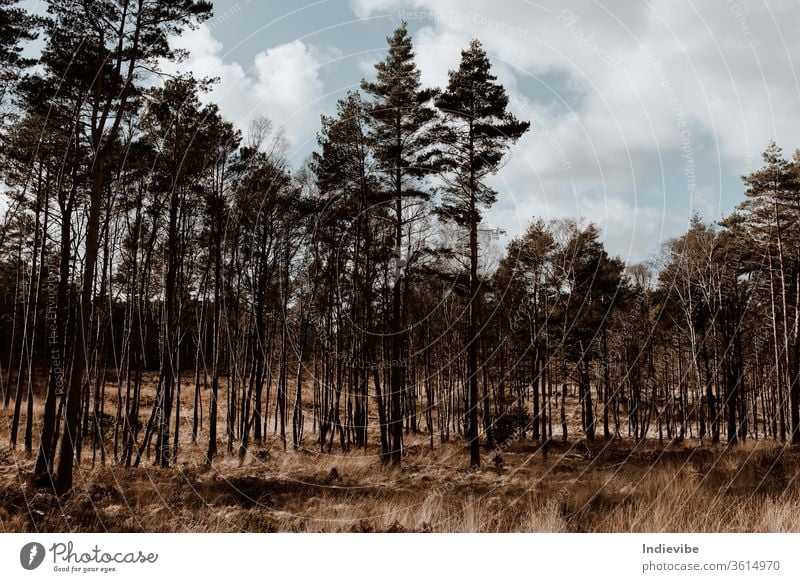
(289, 88)
(626, 99)
(639, 95)
(364, 8)
(283, 83)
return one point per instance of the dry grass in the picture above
(619, 486)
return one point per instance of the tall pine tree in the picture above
(475, 135)
(772, 210)
(399, 115)
(16, 27)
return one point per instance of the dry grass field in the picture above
(619, 486)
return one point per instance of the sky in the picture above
(642, 113)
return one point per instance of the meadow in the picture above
(619, 485)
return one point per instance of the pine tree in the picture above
(346, 174)
(476, 133)
(772, 209)
(399, 116)
(16, 27)
(108, 43)
(593, 282)
(184, 132)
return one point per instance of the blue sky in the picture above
(642, 113)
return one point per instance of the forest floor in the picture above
(614, 486)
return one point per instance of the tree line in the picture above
(148, 247)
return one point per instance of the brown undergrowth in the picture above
(618, 486)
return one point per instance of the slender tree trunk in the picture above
(71, 422)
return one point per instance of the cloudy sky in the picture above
(642, 112)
